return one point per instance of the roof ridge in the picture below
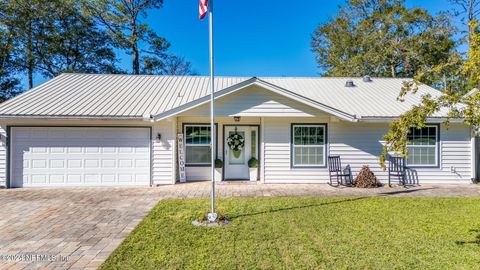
(237, 77)
(151, 75)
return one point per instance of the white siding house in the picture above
(95, 130)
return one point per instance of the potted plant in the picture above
(253, 168)
(218, 169)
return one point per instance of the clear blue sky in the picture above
(252, 37)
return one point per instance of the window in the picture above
(197, 144)
(422, 146)
(308, 145)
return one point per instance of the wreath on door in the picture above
(236, 142)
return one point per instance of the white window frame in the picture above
(324, 146)
(196, 145)
(437, 146)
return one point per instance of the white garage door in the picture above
(73, 156)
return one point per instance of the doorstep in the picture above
(238, 182)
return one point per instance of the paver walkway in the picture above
(79, 228)
(244, 189)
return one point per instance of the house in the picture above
(91, 130)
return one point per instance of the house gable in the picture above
(266, 86)
(257, 101)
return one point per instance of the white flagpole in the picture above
(212, 89)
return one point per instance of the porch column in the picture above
(262, 150)
(175, 152)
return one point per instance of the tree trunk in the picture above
(29, 56)
(136, 61)
(135, 53)
(469, 21)
(392, 68)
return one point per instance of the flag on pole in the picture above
(202, 9)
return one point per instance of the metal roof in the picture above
(133, 96)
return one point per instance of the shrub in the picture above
(366, 179)
(218, 163)
(253, 163)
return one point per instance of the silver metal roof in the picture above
(133, 96)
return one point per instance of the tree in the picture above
(20, 18)
(71, 42)
(8, 83)
(170, 65)
(49, 42)
(382, 38)
(122, 19)
(468, 11)
(454, 104)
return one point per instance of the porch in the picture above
(295, 149)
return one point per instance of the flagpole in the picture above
(212, 89)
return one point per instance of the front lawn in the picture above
(308, 233)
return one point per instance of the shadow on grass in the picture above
(405, 191)
(476, 241)
(383, 194)
(297, 207)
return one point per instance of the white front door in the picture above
(236, 161)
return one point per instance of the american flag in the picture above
(202, 9)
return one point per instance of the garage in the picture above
(79, 156)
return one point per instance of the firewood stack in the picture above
(366, 179)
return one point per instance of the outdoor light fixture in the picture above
(236, 118)
(159, 136)
(147, 117)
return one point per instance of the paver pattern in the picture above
(78, 228)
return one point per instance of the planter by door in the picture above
(253, 174)
(218, 174)
(236, 162)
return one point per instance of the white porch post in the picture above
(473, 156)
(262, 150)
(175, 152)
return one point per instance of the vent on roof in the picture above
(367, 78)
(349, 83)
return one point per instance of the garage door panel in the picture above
(74, 178)
(39, 178)
(57, 164)
(44, 156)
(57, 179)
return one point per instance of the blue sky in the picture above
(252, 37)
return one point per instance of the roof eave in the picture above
(68, 117)
(388, 119)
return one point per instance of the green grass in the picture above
(308, 233)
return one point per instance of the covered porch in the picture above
(264, 120)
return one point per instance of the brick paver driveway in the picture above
(79, 228)
(83, 226)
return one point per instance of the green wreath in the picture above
(236, 143)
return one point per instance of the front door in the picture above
(240, 144)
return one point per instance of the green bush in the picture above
(253, 163)
(218, 163)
